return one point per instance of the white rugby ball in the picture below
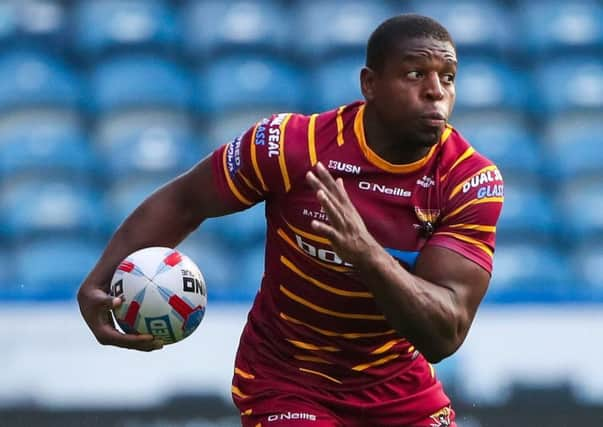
(164, 294)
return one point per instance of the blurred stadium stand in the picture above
(102, 101)
(124, 94)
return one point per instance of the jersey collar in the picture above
(383, 164)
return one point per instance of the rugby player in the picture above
(381, 230)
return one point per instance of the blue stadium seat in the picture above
(504, 138)
(251, 271)
(52, 268)
(147, 143)
(48, 141)
(558, 27)
(123, 195)
(9, 286)
(336, 82)
(588, 259)
(214, 26)
(447, 371)
(43, 22)
(528, 211)
(230, 252)
(140, 81)
(9, 21)
(32, 79)
(483, 83)
(580, 204)
(528, 272)
(45, 206)
(240, 229)
(571, 148)
(329, 27)
(247, 82)
(582, 92)
(223, 128)
(109, 25)
(217, 263)
(475, 26)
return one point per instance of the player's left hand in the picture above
(346, 230)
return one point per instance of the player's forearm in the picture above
(164, 219)
(423, 312)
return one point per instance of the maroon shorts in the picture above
(407, 400)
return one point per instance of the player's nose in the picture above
(433, 87)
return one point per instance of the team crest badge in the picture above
(441, 418)
(427, 220)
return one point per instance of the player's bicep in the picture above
(199, 193)
(466, 279)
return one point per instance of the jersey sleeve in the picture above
(468, 223)
(261, 162)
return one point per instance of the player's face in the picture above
(414, 93)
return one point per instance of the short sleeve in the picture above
(468, 223)
(261, 162)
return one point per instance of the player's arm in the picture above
(165, 218)
(433, 307)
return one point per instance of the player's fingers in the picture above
(325, 177)
(117, 301)
(325, 230)
(333, 212)
(102, 300)
(140, 345)
(321, 179)
(316, 183)
(108, 335)
(111, 301)
(345, 198)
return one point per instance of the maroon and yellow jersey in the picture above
(311, 318)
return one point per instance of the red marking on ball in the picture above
(173, 259)
(130, 317)
(126, 266)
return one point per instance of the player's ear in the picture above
(367, 83)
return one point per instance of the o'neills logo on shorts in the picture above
(292, 416)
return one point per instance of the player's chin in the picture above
(428, 137)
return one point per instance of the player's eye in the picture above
(449, 78)
(414, 75)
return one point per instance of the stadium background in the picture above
(103, 100)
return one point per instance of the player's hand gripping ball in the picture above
(163, 293)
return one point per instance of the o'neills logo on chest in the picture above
(384, 189)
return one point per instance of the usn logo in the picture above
(343, 167)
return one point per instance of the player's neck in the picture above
(387, 146)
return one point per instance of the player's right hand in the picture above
(95, 306)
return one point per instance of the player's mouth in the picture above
(434, 119)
